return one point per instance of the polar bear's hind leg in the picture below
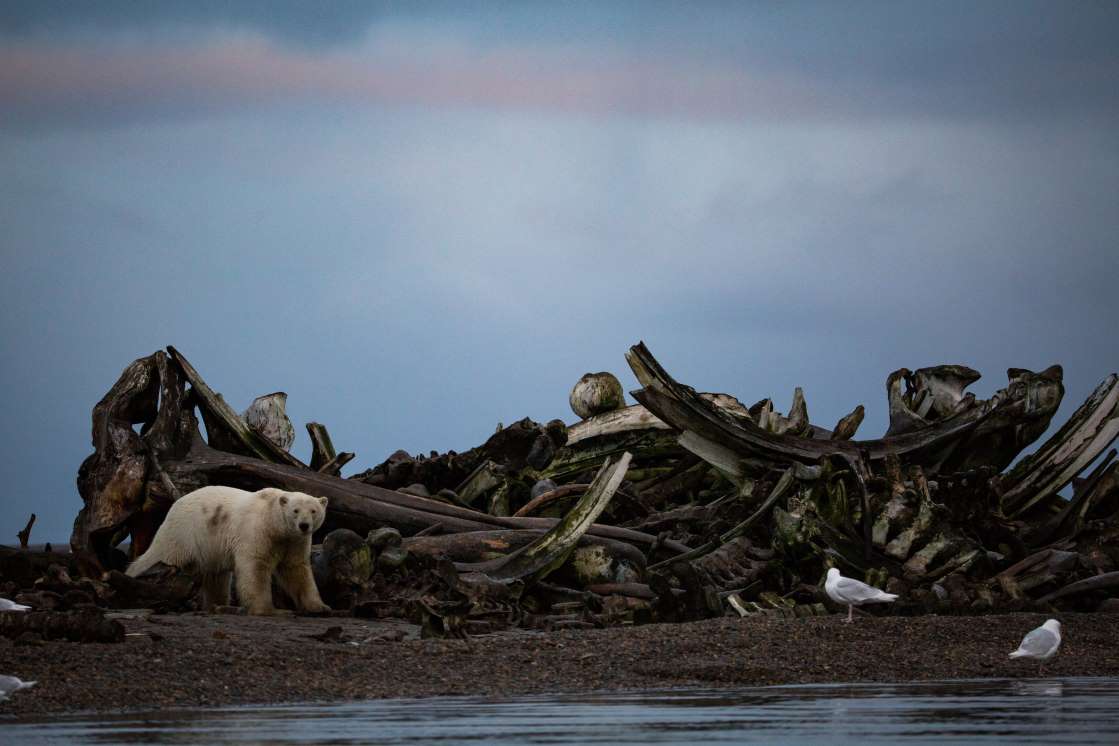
(215, 589)
(162, 549)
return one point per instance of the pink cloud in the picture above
(41, 80)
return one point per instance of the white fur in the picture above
(219, 531)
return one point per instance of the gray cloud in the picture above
(310, 23)
(98, 63)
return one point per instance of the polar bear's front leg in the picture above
(254, 585)
(298, 581)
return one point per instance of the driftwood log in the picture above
(123, 491)
(945, 445)
(682, 506)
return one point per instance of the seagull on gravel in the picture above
(10, 684)
(1042, 643)
(853, 592)
(6, 605)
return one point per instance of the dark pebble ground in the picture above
(195, 660)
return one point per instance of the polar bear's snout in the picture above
(304, 526)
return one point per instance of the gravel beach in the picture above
(206, 660)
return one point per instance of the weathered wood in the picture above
(353, 504)
(362, 507)
(551, 550)
(220, 418)
(637, 417)
(847, 426)
(1055, 558)
(123, 486)
(902, 418)
(645, 445)
(470, 548)
(111, 479)
(796, 421)
(633, 590)
(931, 394)
(25, 534)
(679, 406)
(1104, 501)
(637, 538)
(1067, 521)
(1086, 434)
(267, 416)
(725, 460)
(485, 478)
(779, 490)
(536, 504)
(175, 427)
(522, 445)
(322, 447)
(1095, 583)
(334, 466)
(681, 481)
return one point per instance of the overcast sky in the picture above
(420, 219)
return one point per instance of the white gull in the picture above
(10, 684)
(1041, 643)
(853, 592)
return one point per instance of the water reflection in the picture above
(1081, 711)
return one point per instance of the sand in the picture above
(194, 660)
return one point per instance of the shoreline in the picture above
(194, 660)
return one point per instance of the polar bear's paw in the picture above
(269, 611)
(316, 608)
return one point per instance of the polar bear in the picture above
(216, 531)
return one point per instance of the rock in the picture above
(382, 538)
(343, 565)
(398, 466)
(33, 639)
(40, 600)
(416, 489)
(392, 557)
(75, 598)
(542, 487)
(596, 393)
(541, 453)
(1108, 606)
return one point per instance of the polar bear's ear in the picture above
(283, 499)
(323, 501)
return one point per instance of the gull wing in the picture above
(1037, 643)
(855, 591)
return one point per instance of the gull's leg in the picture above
(850, 611)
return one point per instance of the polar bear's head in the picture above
(301, 514)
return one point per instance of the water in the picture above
(1051, 711)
